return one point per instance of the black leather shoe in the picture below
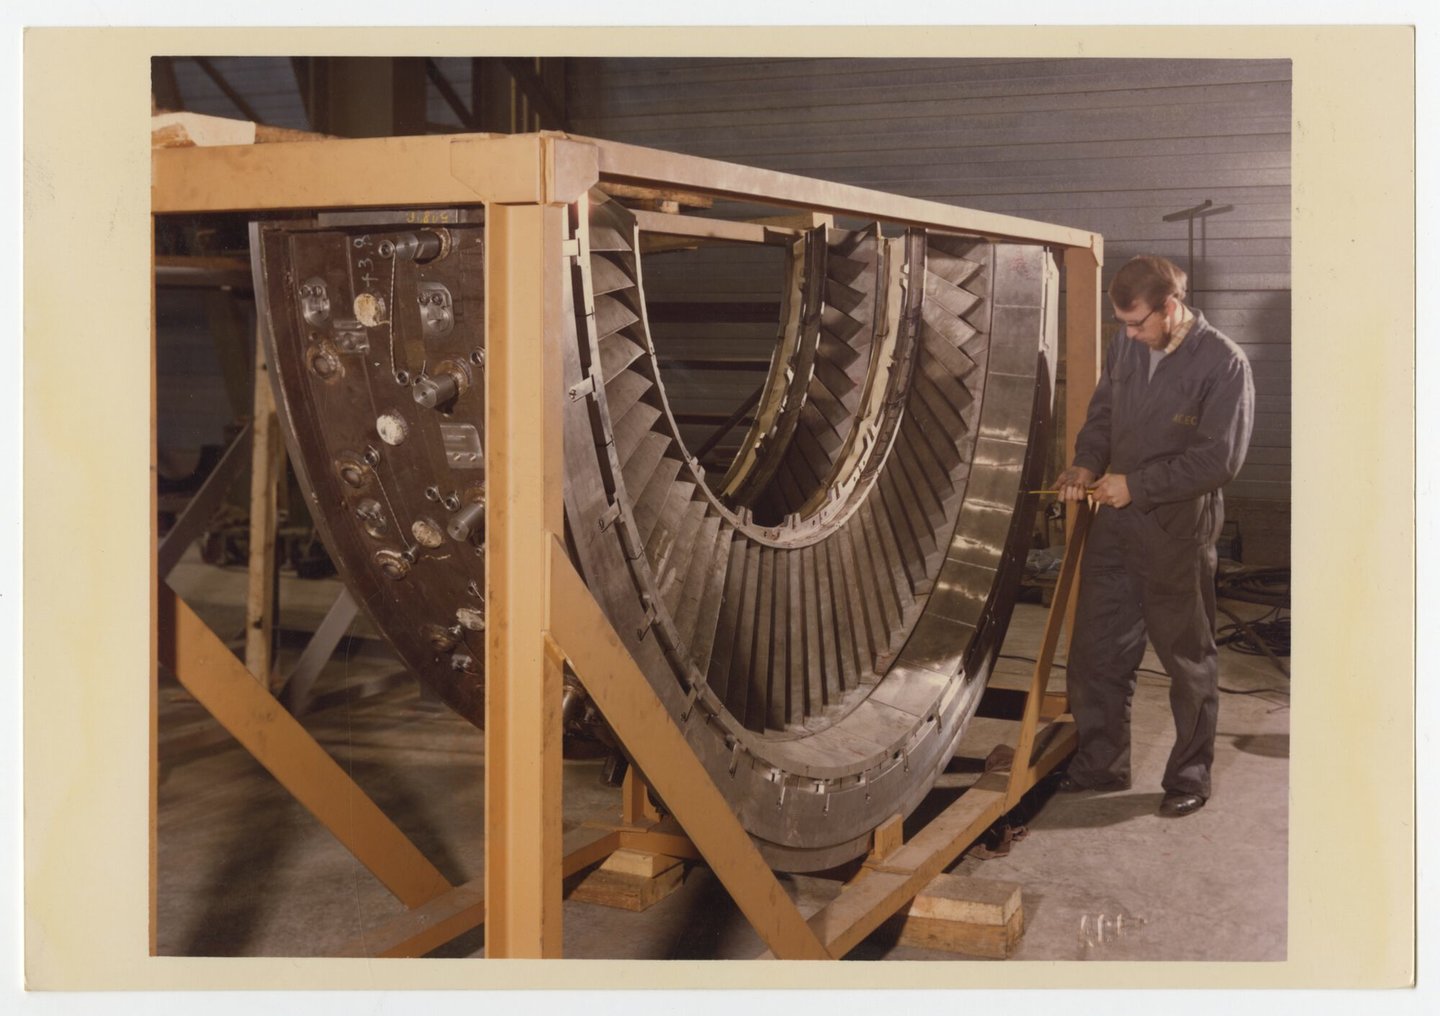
(1178, 805)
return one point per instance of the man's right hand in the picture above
(1074, 484)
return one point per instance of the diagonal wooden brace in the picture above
(586, 638)
(209, 671)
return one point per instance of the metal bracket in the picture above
(437, 310)
(583, 389)
(689, 701)
(647, 622)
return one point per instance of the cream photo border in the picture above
(88, 416)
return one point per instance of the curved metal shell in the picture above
(822, 620)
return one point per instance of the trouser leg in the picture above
(1179, 607)
(1107, 646)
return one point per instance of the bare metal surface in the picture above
(299, 684)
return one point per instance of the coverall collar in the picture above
(1188, 321)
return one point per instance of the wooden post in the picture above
(1082, 361)
(523, 676)
(635, 806)
(1023, 770)
(266, 462)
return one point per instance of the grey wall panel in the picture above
(1106, 145)
(267, 84)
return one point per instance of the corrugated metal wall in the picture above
(1107, 145)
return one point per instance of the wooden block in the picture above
(961, 898)
(801, 220)
(639, 862)
(889, 837)
(689, 199)
(179, 130)
(995, 942)
(622, 885)
(973, 916)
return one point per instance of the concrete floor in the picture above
(245, 871)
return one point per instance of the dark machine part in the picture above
(822, 620)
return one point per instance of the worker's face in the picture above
(1143, 323)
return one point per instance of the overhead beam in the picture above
(417, 171)
(164, 85)
(448, 93)
(634, 164)
(236, 99)
(551, 114)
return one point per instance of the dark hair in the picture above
(1148, 278)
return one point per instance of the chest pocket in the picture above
(1183, 405)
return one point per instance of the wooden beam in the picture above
(639, 718)
(727, 230)
(888, 886)
(635, 803)
(211, 673)
(633, 192)
(632, 164)
(416, 171)
(1083, 358)
(889, 836)
(164, 85)
(1023, 772)
(267, 459)
(523, 296)
(664, 837)
(349, 172)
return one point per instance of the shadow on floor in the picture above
(1267, 745)
(1098, 811)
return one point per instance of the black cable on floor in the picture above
(1270, 628)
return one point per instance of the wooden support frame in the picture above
(533, 628)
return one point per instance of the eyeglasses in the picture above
(1137, 324)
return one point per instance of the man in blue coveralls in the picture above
(1167, 427)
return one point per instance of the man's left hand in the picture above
(1112, 490)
